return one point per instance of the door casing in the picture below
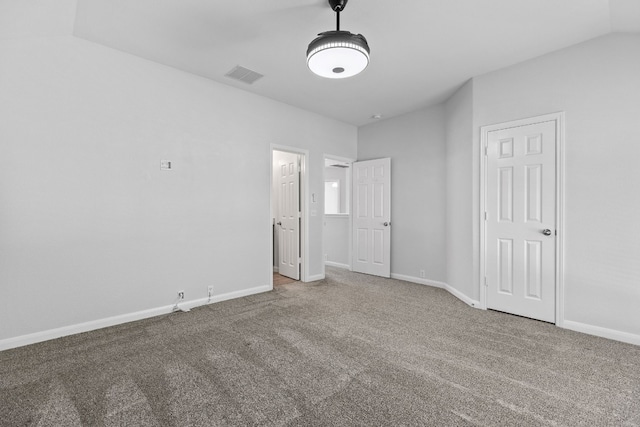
(559, 261)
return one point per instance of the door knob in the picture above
(279, 223)
(546, 232)
(386, 224)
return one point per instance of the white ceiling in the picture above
(421, 50)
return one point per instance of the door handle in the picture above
(386, 224)
(546, 232)
(279, 223)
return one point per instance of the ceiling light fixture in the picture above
(338, 54)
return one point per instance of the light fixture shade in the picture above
(338, 54)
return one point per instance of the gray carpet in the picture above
(346, 351)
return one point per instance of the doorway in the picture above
(336, 234)
(521, 217)
(288, 208)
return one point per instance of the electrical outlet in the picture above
(422, 274)
(180, 295)
(210, 291)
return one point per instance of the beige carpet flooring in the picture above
(351, 350)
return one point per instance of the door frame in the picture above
(559, 119)
(304, 209)
(350, 200)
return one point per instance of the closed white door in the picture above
(521, 220)
(372, 217)
(288, 219)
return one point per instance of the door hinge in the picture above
(299, 260)
(299, 214)
(486, 284)
(485, 150)
(485, 215)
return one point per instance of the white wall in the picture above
(459, 200)
(415, 142)
(597, 84)
(91, 228)
(336, 240)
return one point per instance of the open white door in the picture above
(288, 219)
(372, 217)
(521, 220)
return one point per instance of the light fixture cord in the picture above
(338, 19)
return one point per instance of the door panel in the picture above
(505, 266)
(520, 204)
(288, 221)
(505, 194)
(362, 245)
(372, 217)
(533, 268)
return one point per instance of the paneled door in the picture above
(372, 217)
(521, 220)
(288, 219)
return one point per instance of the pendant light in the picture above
(338, 54)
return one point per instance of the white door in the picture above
(372, 217)
(288, 219)
(521, 220)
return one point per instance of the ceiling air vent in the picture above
(245, 75)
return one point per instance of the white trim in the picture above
(37, 337)
(436, 284)
(275, 269)
(560, 206)
(419, 280)
(315, 278)
(611, 334)
(559, 118)
(304, 195)
(462, 297)
(337, 265)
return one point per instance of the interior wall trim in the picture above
(462, 297)
(419, 280)
(337, 265)
(598, 331)
(436, 284)
(93, 325)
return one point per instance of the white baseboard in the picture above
(315, 278)
(50, 334)
(598, 331)
(275, 269)
(337, 265)
(418, 280)
(462, 297)
(436, 284)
